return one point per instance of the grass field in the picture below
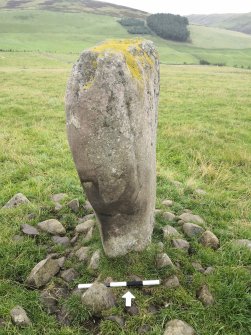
(66, 33)
(204, 140)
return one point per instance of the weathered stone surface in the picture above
(178, 327)
(86, 218)
(98, 298)
(199, 191)
(94, 262)
(198, 267)
(69, 275)
(209, 270)
(168, 216)
(29, 230)
(83, 253)
(88, 207)
(17, 200)
(167, 203)
(19, 317)
(243, 243)
(58, 207)
(133, 310)
(61, 240)
(111, 106)
(42, 273)
(118, 319)
(208, 239)
(74, 205)
(163, 260)
(52, 226)
(189, 217)
(192, 229)
(88, 236)
(49, 302)
(58, 197)
(181, 244)
(205, 296)
(172, 282)
(169, 231)
(85, 226)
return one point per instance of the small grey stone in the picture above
(181, 244)
(167, 203)
(168, 216)
(198, 267)
(209, 270)
(69, 275)
(17, 200)
(88, 206)
(199, 191)
(29, 230)
(133, 310)
(83, 253)
(181, 222)
(157, 211)
(98, 298)
(204, 295)
(160, 246)
(189, 217)
(58, 207)
(74, 205)
(169, 231)
(58, 197)
(134, 278)
(42, 273)
(192, 229)
(145, 329)
(49, 302)
(94, 262)
(85, 226)
(86, 218)
(172, 282)
(88, 235)
(243, 243)
(17, 238)
(19, 317)
(152, 309)
(186, 210)
(118, 319)
(74, 239)
(177, 183)
(31, 216)
(163, 260)
(208, 239)
(178, 327)
(63, 317)
(61, 261)
(52, 226)
(61, 240)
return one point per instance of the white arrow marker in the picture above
(128, 297)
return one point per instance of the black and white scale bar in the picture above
(126, 284)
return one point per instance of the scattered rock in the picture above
(98, 298)
(69, 275)
(134, 278)
(19, 317)
(74, 205)
(58, 197)
(64, 317)
(177, 183)
(192, 229)
(133, 310)
(86, 218)
(83, 253)
(181, 244)
(94, 262)
(169, 231)
(187, 210)
(61, 240)
(31, 216)
(145, 329)
(167, 203)
(88, 207)
(49, 302)
(198, 267)
(118, 319)
(152, 309)
(58, 207)
(84, 227)
(88, 236)
(42, 273)
(163, 260)
(17, 200)
(208, 239)
(17, 238)
(160, 246)
(157, 211)
(29, 230)
(189, 217)
(172, 282)
(243, 243)
(181, 222)
(178, 327)
(199, 191)
(74, 239)
(204, 295)
(61, 261)
(168, 216)
(209, 270)
(52, 226)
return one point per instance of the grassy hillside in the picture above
(237, 22)
(64, 33)
(89, 6)
(203, 141)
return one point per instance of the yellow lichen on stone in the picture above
(132, 51)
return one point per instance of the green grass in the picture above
(52, 33)
(204, 140)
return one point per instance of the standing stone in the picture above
(111, 107)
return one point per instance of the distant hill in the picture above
(71, 6)
(236, 22)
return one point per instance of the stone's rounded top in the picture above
(135, 51)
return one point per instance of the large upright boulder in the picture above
(111, 107)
